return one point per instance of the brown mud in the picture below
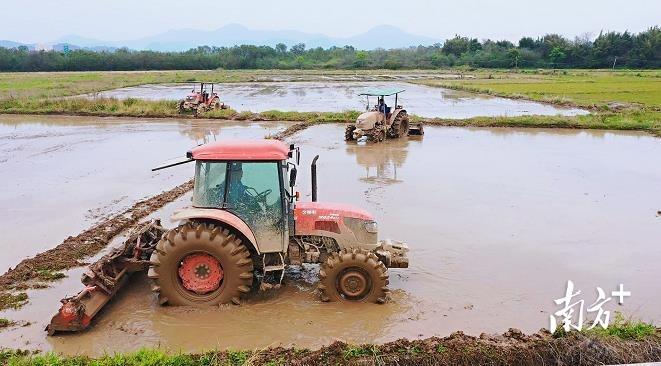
(511, 348)
(74, 249)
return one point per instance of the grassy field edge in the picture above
(634, 119)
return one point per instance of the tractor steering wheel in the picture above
(257, 196)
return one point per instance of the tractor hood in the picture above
(331, 209)
(367, 120)
(313, 216)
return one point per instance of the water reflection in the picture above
(381, 161)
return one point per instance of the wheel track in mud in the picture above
(74, 249)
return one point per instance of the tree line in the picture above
(611, 49)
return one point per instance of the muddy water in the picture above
(61, 174)
(420, 100)
(498, 220)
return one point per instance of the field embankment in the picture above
(628, 343)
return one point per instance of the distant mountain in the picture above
(383, 36)
(11, 44)
(58, 46)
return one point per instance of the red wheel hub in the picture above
(200, 273)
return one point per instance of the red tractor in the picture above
(201, 101)
(244, 228)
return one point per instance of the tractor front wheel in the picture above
(353, 275)
(348, 133)
(200, 264)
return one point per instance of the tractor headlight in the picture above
(371, 227)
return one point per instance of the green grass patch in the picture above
(644, 120)
(581, 88)
(626, 329)
(49, 275)
(4, 323)
(360, 351)
(237, 358)
(313, 117)
(619, 327)
(12, 301)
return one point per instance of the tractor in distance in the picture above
(201, 101)
(244, 228)
(381, 121)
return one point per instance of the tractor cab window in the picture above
(255, 195)
(209, 189)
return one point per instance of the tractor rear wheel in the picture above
(200, 264)
(353, 275)
(400, 126)
(348, 133)
(404, 127)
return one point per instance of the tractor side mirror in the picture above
(292, 176)
(293, 148)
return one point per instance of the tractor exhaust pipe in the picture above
(314, 178)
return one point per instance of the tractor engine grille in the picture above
(357, 226)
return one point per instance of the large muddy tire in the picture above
(400, 126)
(200, 264)
(348, 133)
(404, 127)
(180, 106)
(378, 135)
(353, 275)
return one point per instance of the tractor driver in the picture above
(383, 107)
(237, 190)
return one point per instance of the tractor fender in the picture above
(222, 216)
(394, 115)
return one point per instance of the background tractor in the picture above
(244, 228)
(201, 101)
(381, 121)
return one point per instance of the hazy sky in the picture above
(46, 20)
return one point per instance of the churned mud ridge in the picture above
(74, 249)
(289, 131)
(511, 348)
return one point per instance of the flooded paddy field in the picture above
(61, 174)
(497, 220)
(424, 101)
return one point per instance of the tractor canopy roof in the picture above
(381, 92)
(241, 150)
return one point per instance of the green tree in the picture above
(281, 48)
(557, 55)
